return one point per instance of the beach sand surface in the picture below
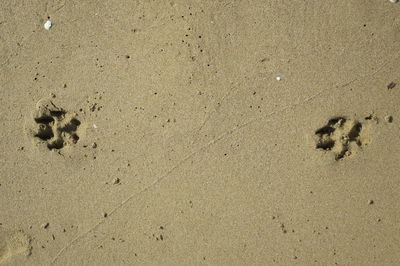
(199, 132)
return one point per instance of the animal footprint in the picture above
(341, 136)
(54, 126)
(13, 244)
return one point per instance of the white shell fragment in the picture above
(394, 1)
(278, 78)
(47, 25)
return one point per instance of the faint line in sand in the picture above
(209, 144)
(205, 147)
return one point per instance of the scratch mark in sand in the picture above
(180, 163)
(208, 116)
(203, 148)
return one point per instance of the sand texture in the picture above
(192, 132)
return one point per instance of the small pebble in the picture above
(389, 118)
(104, 214)
(391, 85)
(45, 225)
(47, 25)
(278, 78)
(394, 1)
(116, 181)
(370, 202)
(94, 145)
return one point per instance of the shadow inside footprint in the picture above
(338, 136)
(56, 127)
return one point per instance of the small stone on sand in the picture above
(47, 25)
(389, 118)
(45, 225)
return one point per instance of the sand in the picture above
(199, 132)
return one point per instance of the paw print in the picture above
(55, 127)
(341, 136)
